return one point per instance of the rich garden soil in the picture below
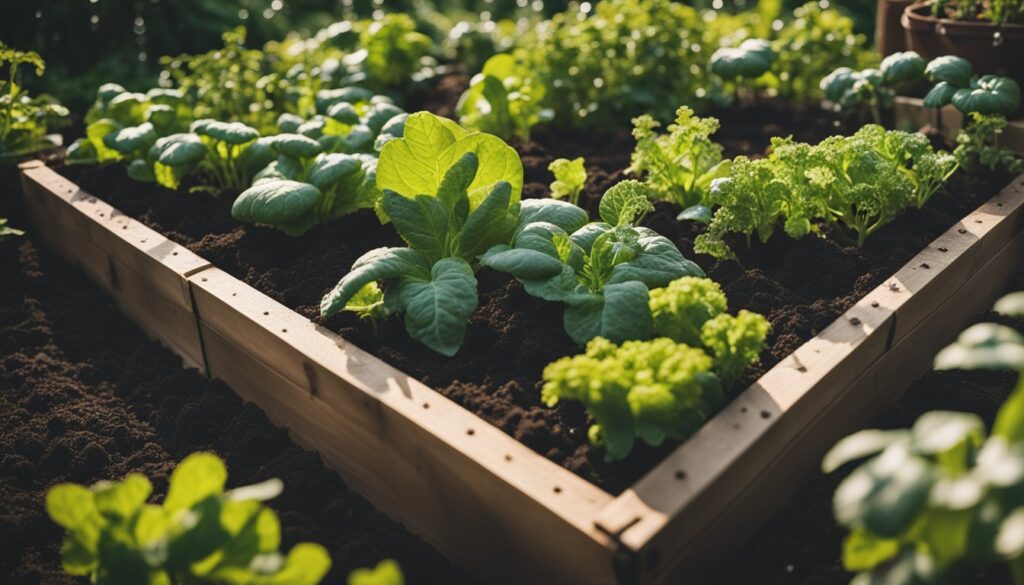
(85, 396)
(802, 545)
(801, 286)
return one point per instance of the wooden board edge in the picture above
(911, 113)
(640, 513)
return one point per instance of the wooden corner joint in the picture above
(625, 561)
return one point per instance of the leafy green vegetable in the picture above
(978, 145)
(602, 271)
(876, 88)
(24, 120)
(749, 61)
(504, 99)
(692, 310)
(681, 165)
(570, 178)
(450, 195)
(651, 390)
(305, 186)
(857, 184)
(393, 50)
(941, 498)
(386, 572)
(200, 534)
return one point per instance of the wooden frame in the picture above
(488, 502)
(911, 113)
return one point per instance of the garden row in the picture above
(442, 226)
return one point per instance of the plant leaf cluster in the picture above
(25, 121)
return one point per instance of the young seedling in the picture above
(570, 177)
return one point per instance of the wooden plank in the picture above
(876, 390)
(667, 510)
(911, 114)
(162, 262)
(157, 299)
(481, 497)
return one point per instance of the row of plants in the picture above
(939, 501)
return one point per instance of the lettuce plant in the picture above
(201, 533)
(570, 178)
(504, 99)
(679, 166)
(24, 120)
(935, 501)
(451, 195)
(602, 271)
(647, 390)
(393, 51)
(856, 184)
(306, 186)
(693, 311)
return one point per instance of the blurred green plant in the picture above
(24, 120)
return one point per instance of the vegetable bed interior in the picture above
(591, 224)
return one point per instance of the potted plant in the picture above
(988, 34)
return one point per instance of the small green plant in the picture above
(201, 533)
(230, 153)
(647, 390)
(985, 102)
(387, 572)
(875, 88)
(602, 271)
(305, 186)
(693, 311)
(742, 65)
(855, 184)
(393, 50)
(503, 99)
(678, 166)
(451, 195)
(935, 501)
(24, 120)
(570, 177)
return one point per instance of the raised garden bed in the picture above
(487, 500)
(911, 113)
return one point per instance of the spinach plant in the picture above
(504, 99)
(230, 153)
(875, 88)
(201, 533)
(24, 120)
(935, 501)
(678, 166)
(985, 102)
(306, 186)
(602, 271)
(570, 178)
(647, 390)
(352, 120)
(451, 195)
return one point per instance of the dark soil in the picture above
(802, 544)
(85, 396)
(801, 286)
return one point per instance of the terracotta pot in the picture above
(889, 34)
(989, 47)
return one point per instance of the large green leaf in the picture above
(859, 445)
(492, 222)
(658, 263)
(563, 214)
(620, 314)
(421, 221)
(884, 495)
(437, 310)
(197, 477)
(287, 205)
(380, 264)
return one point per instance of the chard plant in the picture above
(306, 186)
(641, 390)
(678, 166)
(935, 502)
(854, 184)
(201, 533)
(451, 195)
(570, 178)
(985, 102)
(602, 271)
(504, 99)
(25, 121)
(873, 88)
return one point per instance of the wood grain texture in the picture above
(683, 504)
(481, 497)
(143, 271)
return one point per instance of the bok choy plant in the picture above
(451, 195)
(602, 271)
